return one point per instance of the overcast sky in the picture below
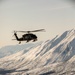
(55, 16)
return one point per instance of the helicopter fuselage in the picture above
(26, 37)
(29, 37)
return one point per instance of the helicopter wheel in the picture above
(34, 40)
(27, 41)
(19, 42)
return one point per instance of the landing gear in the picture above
(34, 40)
(19, 42)
(27, 41)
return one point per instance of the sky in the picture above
(55, 16)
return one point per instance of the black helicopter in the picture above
(28, 36)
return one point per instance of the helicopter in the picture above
(28, 36)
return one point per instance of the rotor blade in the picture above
(23, 31)
(14, 31)
(32, 31)
(38, 30)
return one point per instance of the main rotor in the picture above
(43, 30)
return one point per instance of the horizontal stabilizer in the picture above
(13, 39)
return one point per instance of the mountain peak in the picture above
(72, 31)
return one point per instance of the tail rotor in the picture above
(15, 32)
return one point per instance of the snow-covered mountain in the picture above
(8, 50)
(51, 57)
